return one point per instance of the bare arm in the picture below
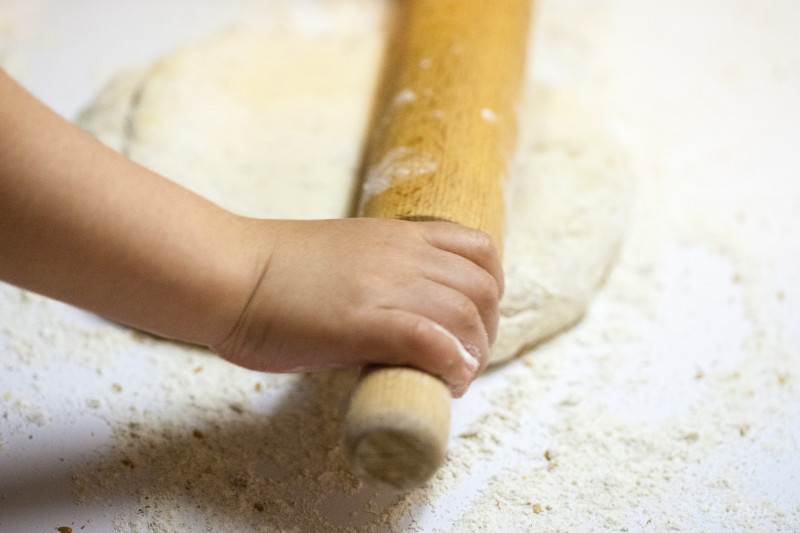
(83, 224)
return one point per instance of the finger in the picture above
(448, 308)
(469, 279)
(398, 337)
(472, 244)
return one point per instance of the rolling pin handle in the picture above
(397, 426)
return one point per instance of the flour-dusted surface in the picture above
(673, 405)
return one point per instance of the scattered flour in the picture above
(672, 406)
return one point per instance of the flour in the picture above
(398, 165)
(672, 406)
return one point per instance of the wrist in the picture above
(228, 280)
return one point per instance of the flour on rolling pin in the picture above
(399, 164)
(570, 208)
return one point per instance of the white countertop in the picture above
(707, 97)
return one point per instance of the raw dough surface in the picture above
(270, 124)
(672, 406)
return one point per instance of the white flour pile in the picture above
(673, 405)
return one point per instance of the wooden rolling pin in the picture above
(439, 148)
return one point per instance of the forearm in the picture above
(85, 225)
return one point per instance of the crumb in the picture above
(240, 480)
(117, 387)
(592, 442)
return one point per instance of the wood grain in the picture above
(438, 149)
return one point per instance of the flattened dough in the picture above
(270, 124)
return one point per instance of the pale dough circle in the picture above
(270, 124)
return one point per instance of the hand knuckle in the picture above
(484, 243)
(416, 334)
(464, 310)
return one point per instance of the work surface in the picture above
(674, 405)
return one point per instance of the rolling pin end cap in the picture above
(396, 428)
(393, 458)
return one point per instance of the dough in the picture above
(270, 124)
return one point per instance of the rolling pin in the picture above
(439, 147)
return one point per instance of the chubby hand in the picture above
(83, 224)
(344, 293)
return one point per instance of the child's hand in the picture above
(83, 224)
(343, 293)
